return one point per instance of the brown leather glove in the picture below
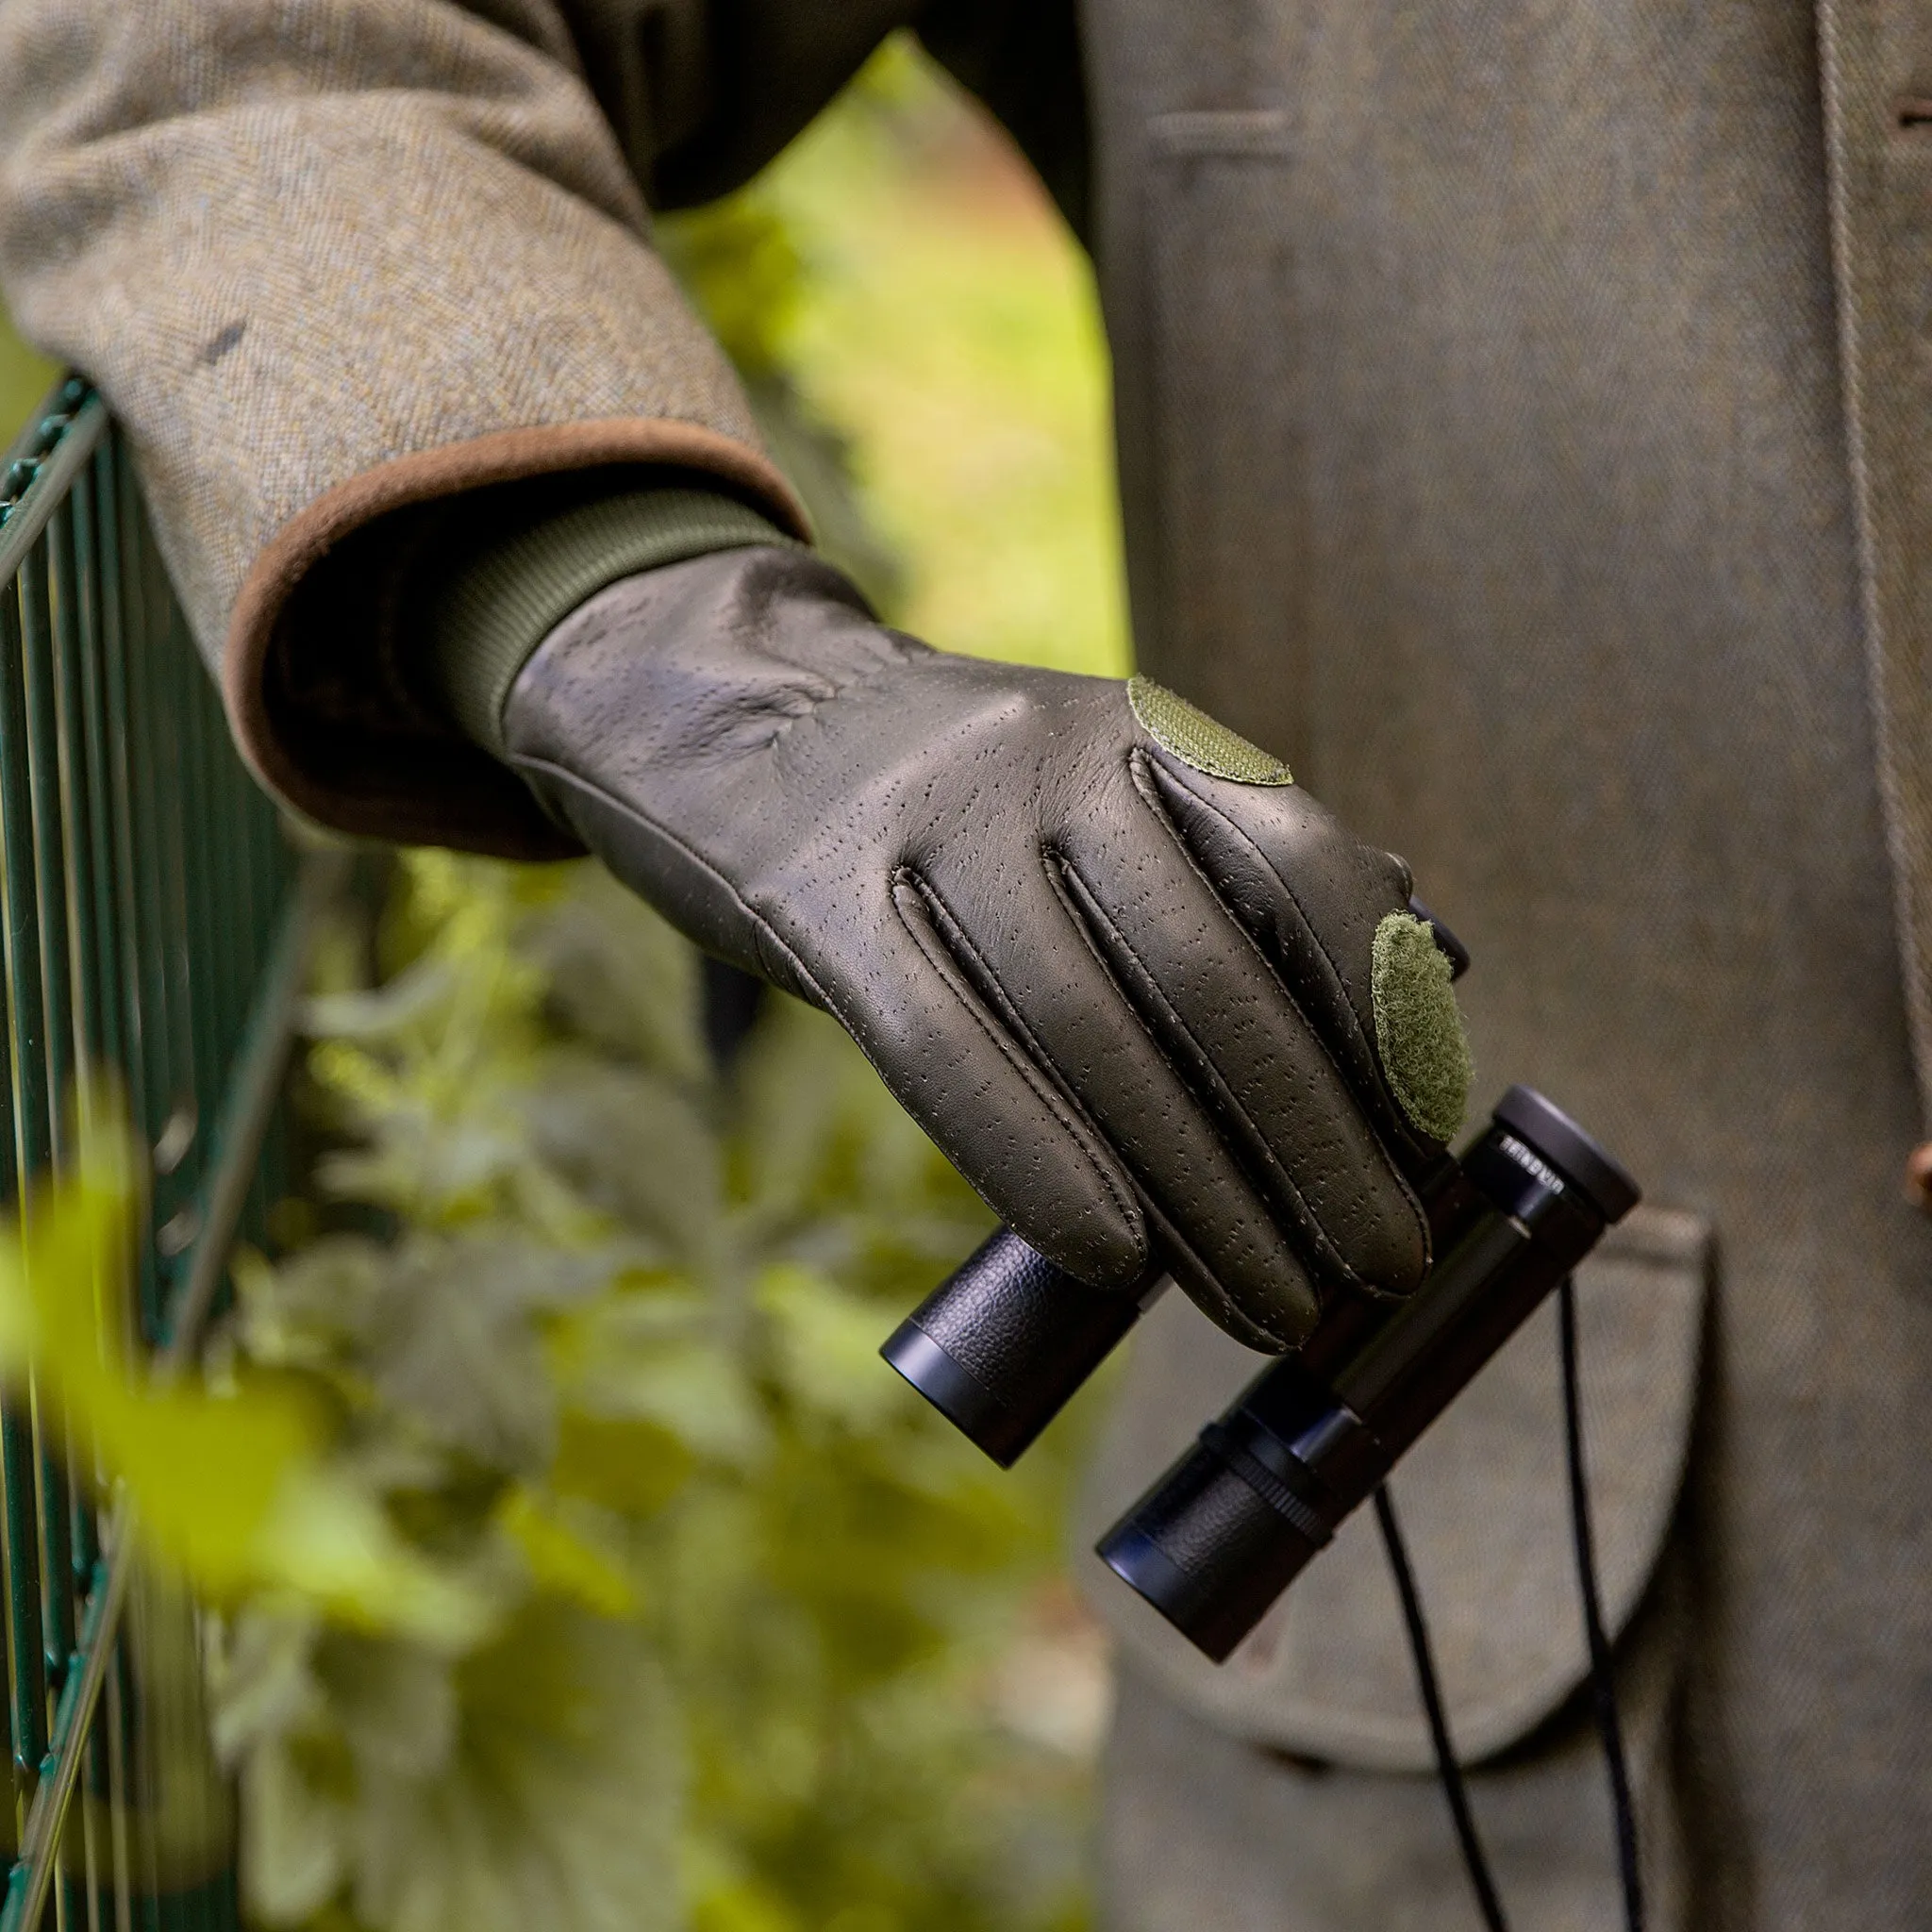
(1108, 955)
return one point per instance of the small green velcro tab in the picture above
(1419, 1026)
(1200, 740)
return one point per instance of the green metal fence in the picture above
(155, 923)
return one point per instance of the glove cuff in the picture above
(495, 604)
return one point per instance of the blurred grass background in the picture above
(864, 1728)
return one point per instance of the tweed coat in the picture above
(1520, 410)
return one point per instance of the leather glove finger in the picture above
(1064, 1012)
(1234, 1027)
(949, 1043)
(1330, 914)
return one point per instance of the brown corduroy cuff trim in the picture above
(471, 802)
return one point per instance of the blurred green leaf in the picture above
(233, 1488)
(655, 1400)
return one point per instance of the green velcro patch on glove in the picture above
(1200, 740)
(1418, 1025)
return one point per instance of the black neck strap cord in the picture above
(1602, 1682)
(1474, 1857)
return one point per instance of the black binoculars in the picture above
(1001, 1345)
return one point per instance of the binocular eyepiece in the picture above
(1002, 1344)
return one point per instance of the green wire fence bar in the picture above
(154, 927)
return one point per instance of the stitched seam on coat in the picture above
(1037, 1072)
(1093, 912)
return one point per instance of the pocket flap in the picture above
(1484, 1504)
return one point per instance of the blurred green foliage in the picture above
(905, 272)
(232, 1489)
(786, 1655)
(758, 1607)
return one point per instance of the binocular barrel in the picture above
(1000, 1346)
(1236, 1519)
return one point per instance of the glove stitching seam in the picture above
(1146, 787)
(1139, 760)
(762, 928)
(1071, 1121)
(1039, 1076)
(1348, 1017)
(1089, 909)
(1202, 1283)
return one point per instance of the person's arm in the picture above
(325, 263)
(470, 511)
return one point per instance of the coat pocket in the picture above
(1484, 1504)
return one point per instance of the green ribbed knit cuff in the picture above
(498, 604)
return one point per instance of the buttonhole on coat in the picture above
(220, 343)
(1915, 111)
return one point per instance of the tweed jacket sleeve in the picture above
(326, 260)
